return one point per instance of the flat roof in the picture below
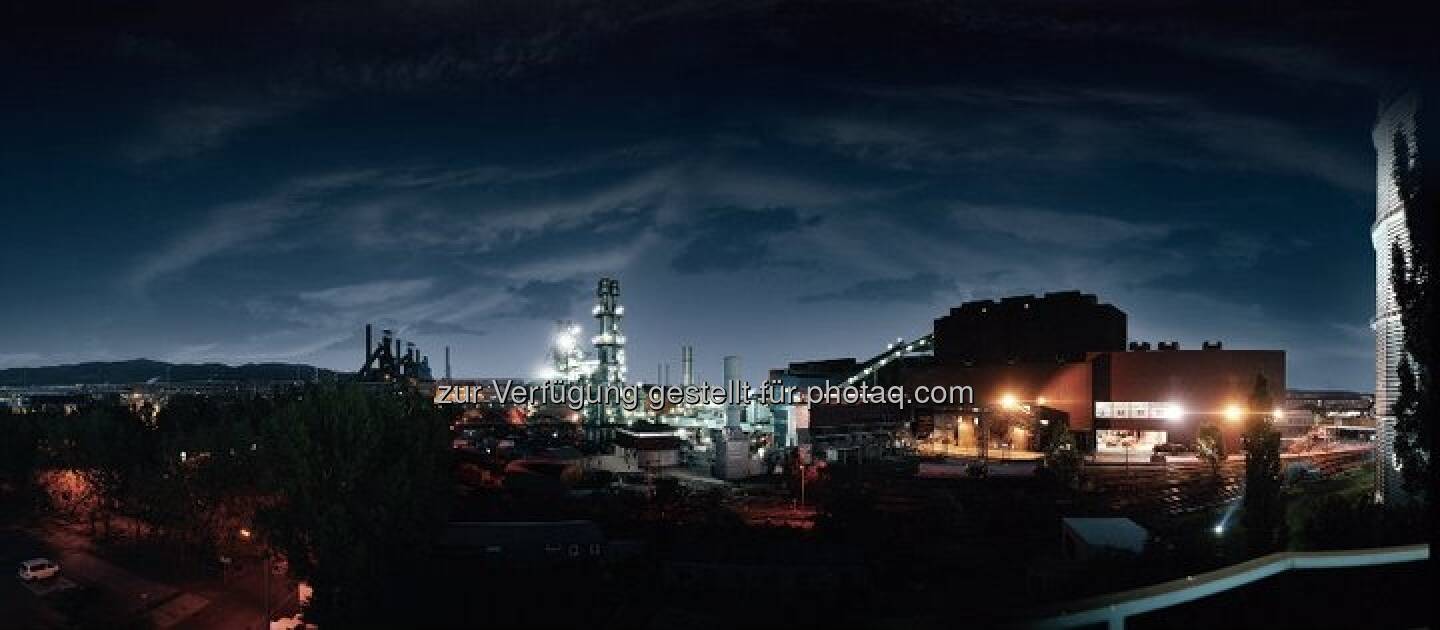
(1119, 533)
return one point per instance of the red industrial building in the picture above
(1062, 356)
(1131, 399)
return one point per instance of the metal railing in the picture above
(1113, 609)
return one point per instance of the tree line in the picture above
(348, 483)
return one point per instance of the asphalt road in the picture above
(121, 593)
(19, 607)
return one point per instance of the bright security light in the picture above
(1009, 401)
(1233, 412)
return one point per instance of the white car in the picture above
(38, 569)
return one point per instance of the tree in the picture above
(19, 453)
(1061, 455)
(1210, 447)
(200, 483)
(105, 445)
(1411, 278)
(358, 479)
(1263, 511)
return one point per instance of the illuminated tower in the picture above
(610, 343)
(609, 348)
(1397, 115)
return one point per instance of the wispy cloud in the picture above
(369, 293)
(1050, 227)
(232, 226)
(1061, 126)
(731, 238)
(189, 129)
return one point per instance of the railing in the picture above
(1112, 610)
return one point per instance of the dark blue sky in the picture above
(783, 181)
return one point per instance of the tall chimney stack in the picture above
(687, 365)
(732, 378)
(447, 363)
(368, 347)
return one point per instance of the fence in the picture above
(1112, 610)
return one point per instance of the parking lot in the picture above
(23, 604)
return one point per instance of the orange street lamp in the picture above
(1234, 412)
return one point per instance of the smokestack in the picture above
(687, 365)
(447, 363)
(667, 375)
(368, 347)
(732, 380)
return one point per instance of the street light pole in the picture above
(268, 562)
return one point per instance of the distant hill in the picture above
(142, 370)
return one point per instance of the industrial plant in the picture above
(1062, 357)
(718, 315)
(393, 360)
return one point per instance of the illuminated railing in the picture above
(1112, 610)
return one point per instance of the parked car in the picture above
(38, 569)
(1173, 448)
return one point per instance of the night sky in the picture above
(783, 181)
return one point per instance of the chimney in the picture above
(687, 365)
(368, 347)
(732, 378)
(447, 363)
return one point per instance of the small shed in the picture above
(1085, 538)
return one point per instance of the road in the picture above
(19, 607)
(123, 593)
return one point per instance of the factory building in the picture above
(393, 359)
(1056, 327)
(1117, 398)
(1322, 416)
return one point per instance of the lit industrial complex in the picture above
(1115, 396)
(1062, 357)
